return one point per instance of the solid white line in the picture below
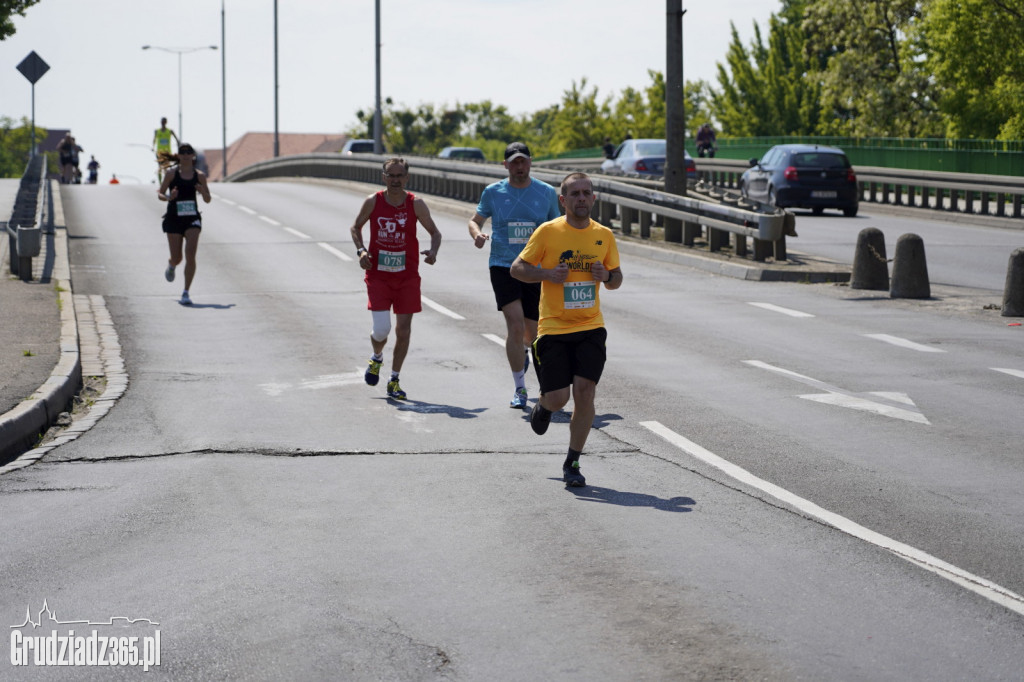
(246, 209)
(495, 338)
(1012, 372)
(904, 343)
(780, 309)
(298, 234)
(330, 249)
(441, 309)
(985, 588)
(270, 220)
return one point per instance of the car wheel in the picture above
(850, 211)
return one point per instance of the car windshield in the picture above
(656, 148)
(819, 160)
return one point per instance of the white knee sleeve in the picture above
(381, 325)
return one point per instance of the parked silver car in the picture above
(645, 156)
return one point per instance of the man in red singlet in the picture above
(392, 266)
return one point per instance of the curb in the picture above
(21, 427)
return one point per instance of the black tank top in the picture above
(185, 206)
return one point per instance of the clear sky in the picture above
(519, 53)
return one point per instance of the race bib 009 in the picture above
(519, 231)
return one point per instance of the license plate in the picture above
(823, 194)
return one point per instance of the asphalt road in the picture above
(786, 481)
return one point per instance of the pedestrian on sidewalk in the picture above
(182, 222)
(572, 257)
(392, 266)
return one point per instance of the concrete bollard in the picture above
(870, 268)
(909, 269)
(1013, 294)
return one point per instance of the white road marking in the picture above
(330, 249)
(246, 209)
(269, 220)
(495, 338)
(1012, 372)
(904, 343)
(315, 384)
(298, 234)
(780, 309)
(441, 309)
(985, 588)
(896, 405)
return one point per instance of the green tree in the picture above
(581, 121)
(8, 8)
(874, 82)
(16, 145)
(975, 49)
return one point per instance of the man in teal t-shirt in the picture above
(515, 206)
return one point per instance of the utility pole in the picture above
(675, 114)
(378, 133)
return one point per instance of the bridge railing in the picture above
(24, 229)
(634, 203)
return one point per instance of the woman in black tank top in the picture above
(182, 222)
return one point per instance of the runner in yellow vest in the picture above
(162, 143)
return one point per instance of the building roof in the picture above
(253, 147)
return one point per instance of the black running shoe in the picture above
(572, 476)
(539, 419)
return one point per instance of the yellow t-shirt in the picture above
(575, 305)
(162, 139)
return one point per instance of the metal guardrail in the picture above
(644, 204)
(24, 229)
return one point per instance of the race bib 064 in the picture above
(579, 294)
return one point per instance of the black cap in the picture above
(516, 149)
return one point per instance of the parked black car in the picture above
(803, 176)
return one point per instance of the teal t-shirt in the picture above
(515, 214)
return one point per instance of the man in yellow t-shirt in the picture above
(571, 256)
(162, 137)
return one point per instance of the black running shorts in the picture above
(507, 289)
(560, 357)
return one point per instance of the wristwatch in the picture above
(359, 252)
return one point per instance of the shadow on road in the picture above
(590, 493)
(433, 408)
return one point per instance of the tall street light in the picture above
(179, 51)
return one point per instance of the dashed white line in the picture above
(330, 249)
(904, 343)
(270, 220)
(495, 338)
(1019, 373)
(225, 201)
(298, 234)
(246, 209)
(985, 588)
(780, 309)
(441, 309)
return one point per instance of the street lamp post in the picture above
(179, 51)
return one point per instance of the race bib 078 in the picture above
(390, 261)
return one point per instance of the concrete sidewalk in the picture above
(40, 369)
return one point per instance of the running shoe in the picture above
(573, 477)
(395, 391)
(539, 419)
(519, 399)
(169, 273)
(372, 375)
(185, 300)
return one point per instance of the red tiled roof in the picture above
(253, 147)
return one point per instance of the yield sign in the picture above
(887, 404)
(33, 67)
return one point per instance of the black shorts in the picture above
(507, 289)
(175, 225)
(560, 357)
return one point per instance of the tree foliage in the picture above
(16, 145)
(975, 49)
(9, 8)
